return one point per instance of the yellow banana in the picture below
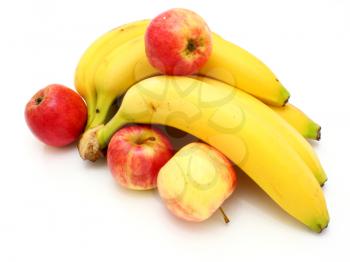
(215, 115)
(301, 122)
(124, 66)
(235, 66)
(279, 126)
(94, 55)
(229, 63)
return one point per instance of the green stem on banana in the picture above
(91, 105)
(95, 139)
(105, 134)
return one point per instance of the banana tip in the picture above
(285, 95)
(286, 101)
(322, 228)
(318, 137)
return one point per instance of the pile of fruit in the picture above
(174, 71)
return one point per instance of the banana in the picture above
(128, 64)
(215, 115)
(124, 66)
(94, 55)
(300, 121)
(235, 66)
(280, 127)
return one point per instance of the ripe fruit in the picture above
(56, 115)
(300, 121)
(135, 155)
(280, 126)
(98, 76)
(196, 181)
(210, 113)
(228, 63)
(95, 55)
(178, 42)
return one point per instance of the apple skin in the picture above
(56, 115)
(196, 181)
(135, 154)
(178, 42)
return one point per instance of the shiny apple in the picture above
(135, 154)
(56, 115)
(178, 42)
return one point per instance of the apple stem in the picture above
(141, 141)
(227, 220)
(38, 100)
(151, 138)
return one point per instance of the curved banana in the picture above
(94, 55)
(123, 67)
(229, 63)
(280, 127)
(300, 121)
(215, 115)
(235, 66)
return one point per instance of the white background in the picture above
(55, 207)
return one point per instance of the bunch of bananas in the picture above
(235, 104)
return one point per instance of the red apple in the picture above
(178, 42)
(135, 155)
(56, 115)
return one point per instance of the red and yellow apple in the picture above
(178, 42)
(196, 181)
(56, 115)
(135, 154)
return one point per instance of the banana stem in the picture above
(227, 220)
(91, 115)
(105, 134)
